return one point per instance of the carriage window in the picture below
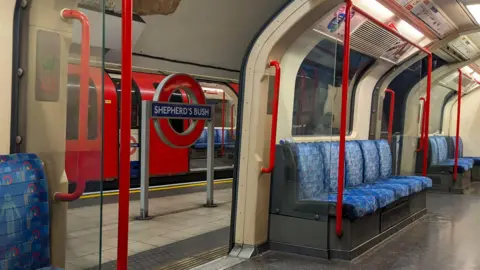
(136, 100)
(318, 90)
(73, 109)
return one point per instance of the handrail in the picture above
(273, 134)
(125, 133)
(345, 80)
(222, 149)
(232, 133)
(457, 135)
(427, 115)
(303, 76)
(84, 92)
(343, 118)
(422, 126)
(392, 111)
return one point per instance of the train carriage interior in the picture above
(344, 134)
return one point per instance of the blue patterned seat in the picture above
(475, 160)
(202, 142)
(354, 173)
(443, 158)
(229, 140)
(371, 164)
(353, 206)
(312, 184)
(24, 213)
(414, 183)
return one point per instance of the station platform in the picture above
(446, 238)
(181, 228)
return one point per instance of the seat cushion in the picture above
(415, 185)
(426, 182)
(466, 161)
(382, 196)
(400, 189)
(462, 167)
(353, 206)
(476, 160)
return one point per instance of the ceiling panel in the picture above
(455, 12)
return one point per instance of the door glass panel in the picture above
(410, 92)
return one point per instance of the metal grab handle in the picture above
(392, 111)
(84, 92)
(273, 135)
(422, 127)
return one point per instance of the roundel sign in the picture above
(162, 110)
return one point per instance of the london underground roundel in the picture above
(163, 110)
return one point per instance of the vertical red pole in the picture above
(273, 134)
(343, 118)
(125, 123)
(223, 124)
(302, 97)
(427, 115)
(457, 135)
(232, 110)
(392, 111)
(422, 126)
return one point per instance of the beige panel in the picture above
(253, 187)
(46, 121)
(6, 34)
(469, 123)
(412, 124)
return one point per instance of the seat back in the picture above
(371, 161)
(24, 213)
(385, 156)
(442, 146)
(310, 171)
(353, 164)
(330, 151)
(451, 146)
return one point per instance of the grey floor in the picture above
(447, 238)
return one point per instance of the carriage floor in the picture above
(447, 238)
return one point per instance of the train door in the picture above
(135, 123)
(60, 112)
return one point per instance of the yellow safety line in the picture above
(90, 196)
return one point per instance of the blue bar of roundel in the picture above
(181, 111)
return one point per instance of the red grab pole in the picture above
(84, 92)
(457, 135)
(422, 126)
(125, 123)
(427, 114)
(273, 134)
(392, 111)
(343, 117)
(222, 150)
(232, 133)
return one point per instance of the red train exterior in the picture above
(84, 153)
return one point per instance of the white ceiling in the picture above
(209, 32)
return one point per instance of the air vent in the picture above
(373, 39)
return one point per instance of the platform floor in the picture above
(176, 218)
(447, 238)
